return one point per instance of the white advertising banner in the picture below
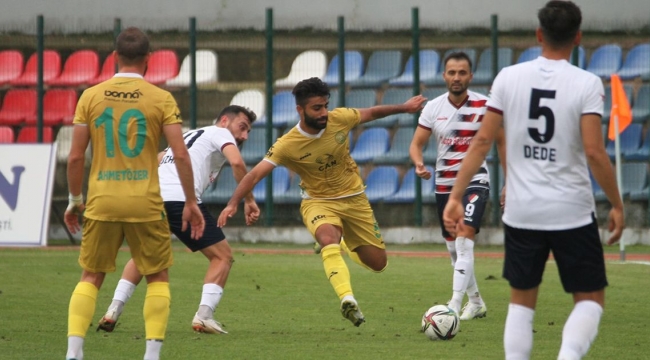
(26, 178)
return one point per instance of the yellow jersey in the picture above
(323, 161)
(125, 116)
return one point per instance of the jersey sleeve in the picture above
(171, 113)
(426, 117)
(495, 101)
(595, 97)
(348, 117)
(223, 139)
(80, 113)
(277, 153)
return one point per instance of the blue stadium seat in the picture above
(393, 96)
(483, 73)
(381, 183)
(629, 91)
(606, 60)
(637, 63)
(398, 154)
(293, 193)
(353, 68)
(641, 107)
(284, 111)
(360, 98)
(529, 54)
(370, 144)
(334, 99)
(429, 64)
(382, 65)
(635, 180)
(630, 140)
(438, 80)
(254, 149)
(280, 184)
(406, 191)
(221, 190)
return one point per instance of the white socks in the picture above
(518, 333)
(153, 350)
(463, 271)
(123, 293)
(580, 330)
(451, 247)
(75, 348)
(209, 300)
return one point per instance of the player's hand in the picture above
(421, 171)
(616, 225)
(75, 208)
(192, 215)
(414, 104)
(452, 216)
(251, 212)
(228, 212)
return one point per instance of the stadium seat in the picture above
(382, 182)
(406, 191)
(630, 140)
(382, 66)
(293, 193)
(434, 92)
(629, 90)
(353, 68)
(254, 149)
(529, 54)
(162, 66)
(640, 154)
(222, 189)
(206, 69)
(64, 142)
(582, 58)
(18, 104)
(6, 135)
(29, 134)
(398, 154)
(483, 73)
(370, 144)
(606, 60)
(284, 111)
(637, 63)
(107, 72)
(308, 64)
(429, 64)
(438, 79)
(360, 98)
(58, 108)
(80, 67)
(51, 69)
(635, 180)
(280, 184)
(252, 99)
(334, 99)
(641, 107)
(393, 96)
(11, 65)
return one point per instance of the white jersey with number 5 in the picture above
(547, 181)
(205, 146)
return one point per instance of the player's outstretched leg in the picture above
(339, 277)
(125, 287)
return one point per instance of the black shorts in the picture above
(474, 200)
(211, 235)
(578, 254)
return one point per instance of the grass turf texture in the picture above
(280, 306)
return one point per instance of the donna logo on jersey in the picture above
(123, 94)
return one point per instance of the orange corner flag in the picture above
(620, 108)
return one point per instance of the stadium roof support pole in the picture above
(575, 56)
(192, 72)
(415, 54)
(494, 168)
(268, 204)
(39, 78)
(341, 53)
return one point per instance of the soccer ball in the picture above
(440, 323)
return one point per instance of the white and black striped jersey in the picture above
(454, 126)
(205, 146)
(547, 181)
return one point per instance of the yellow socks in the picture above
(336, 270)
(156, 310)
(81, 308)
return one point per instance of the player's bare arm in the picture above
(232, 154)
(601, 168)
(76, 160)
(246, 185)
(420, 139)
(411, 106)
(501, 150)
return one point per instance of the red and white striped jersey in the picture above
(454, 126)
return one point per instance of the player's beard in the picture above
(314, 122)
(458, 91)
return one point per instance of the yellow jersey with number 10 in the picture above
(125, 116)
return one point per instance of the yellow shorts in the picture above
(352, 214)
(150, 245)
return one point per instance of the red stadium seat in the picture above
(108, 70)
(58, 108)
(163, 65)
(51, 69)
(11, 65)
(6, 135)
(29, 134)
(81, 66)
(18, 104)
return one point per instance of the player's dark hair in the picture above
(560, 22)
(231, 111)
(459, 55)
(132, 45)
(310, 88)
